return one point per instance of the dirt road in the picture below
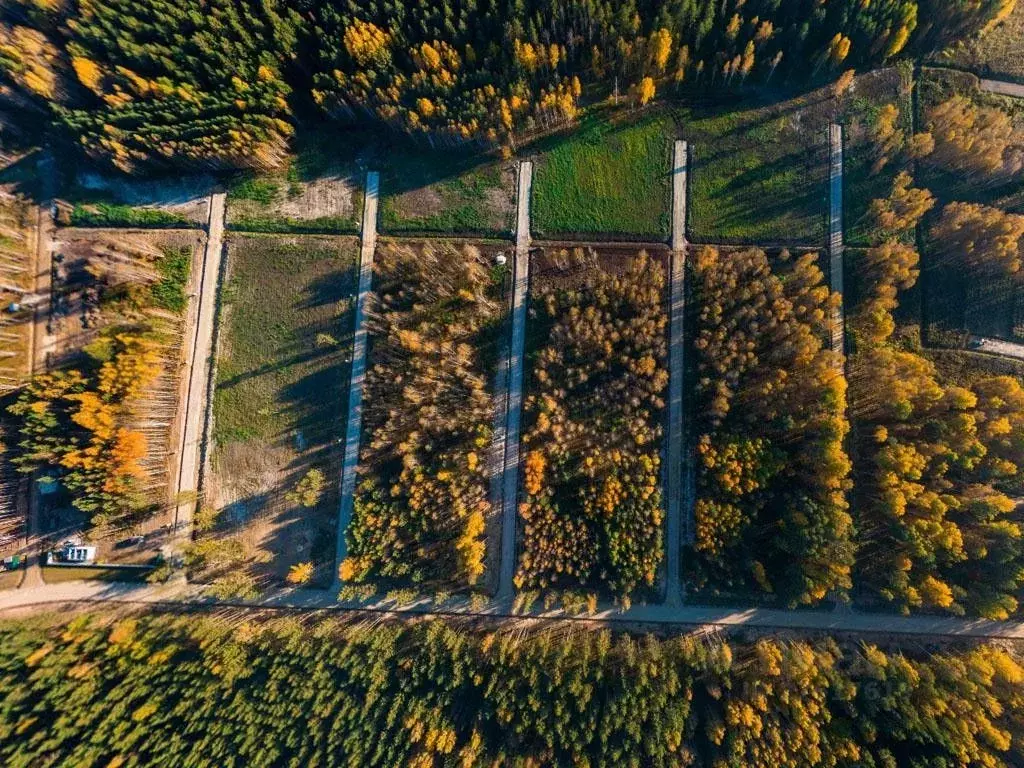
(510, 479)
(197, 369)
(355, 393)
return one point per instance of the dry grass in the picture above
(1000, 53)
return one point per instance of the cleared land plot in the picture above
(591, 507)
(759, 170)
(445, 191)
(767, 410)
(869, 166)
(320, 190)
(608, 178)
(960, 301)
(999, 54)
(421, 511)
(280, 399)
(18, 221)
(93, 198)
(107, 286)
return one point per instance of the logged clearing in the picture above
(438, 191)
(281, 394)
(609, 177)
(998, 54)
(759, 170)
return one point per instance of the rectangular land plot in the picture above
(280, 403)
(767, 423)
(94, 198)
(876, 101)
(996, 54)
(961, 300)
(968, 184)
(18, 222)
(443, 191)
(319, 190)
(422, 516)
(118, 326)
(609, 178)
(759, 170)
(591, 507)
(933, 443)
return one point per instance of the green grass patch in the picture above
(174, 268)
(251, 187)
(56, 574)
(759, 170)
(608, 177)
(445, 192)
(323, 225)
(285, 336)
(117, 215)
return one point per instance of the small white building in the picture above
(73, 553)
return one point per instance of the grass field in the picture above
(319, 190)
(59, 574)
(453, 192)
(609, 177)
(282, 388)
(998, 54)
(759, 171)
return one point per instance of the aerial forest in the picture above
(421, 502)
(198, 690)
(771, 514)
(591, 510)
(222, 83)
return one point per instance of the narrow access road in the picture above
(835, 230)
(676, 350)
(510, 478)
(175, 595)
(1002, 87)
(198, 359)
(497, 466)
(40, 342)
(997, 347)
(353, 426)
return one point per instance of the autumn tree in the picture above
(972, 138)
(987, 240)
(592, 508)
(75, 423)
(420, 508)
(771, 514)
(903, 209)
(938, 530)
